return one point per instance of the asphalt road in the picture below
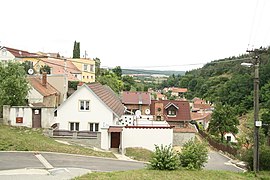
(18, 160)
(57, 166)
(216, 161)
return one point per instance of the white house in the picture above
(93, 108)
(230, 137)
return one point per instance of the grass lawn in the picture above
(177, 174)
(26, 139)
(139, 154)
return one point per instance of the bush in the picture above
(193, 155)
(264, 158)
(164, 158)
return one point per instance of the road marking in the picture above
(44, 161)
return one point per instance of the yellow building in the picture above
(87, 67)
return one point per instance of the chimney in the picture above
(44, 79)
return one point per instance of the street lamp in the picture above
(257, 123)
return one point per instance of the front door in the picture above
(36, 118)
(115, 139)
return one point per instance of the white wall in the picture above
(6, 56)
(233, 139)
(146, 137)
(25, 112)
(34, 96)
(47, 117)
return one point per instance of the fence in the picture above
(74, 134)
(222, 147)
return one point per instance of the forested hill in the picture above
(150, 72)
(227, 81)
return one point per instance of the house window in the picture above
(171, 112)
(94, 127)
(87, 77)
(229, 138)
(85, 67)
(158, 118)
(84, 105)
(74, 126)
(91, 68)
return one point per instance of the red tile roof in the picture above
(21, 53)
(179, 90)
(183, 112)
(202, 106)
(200, 116)
(190, 129)
(108, 97)
(136, 98)
(47, 90)
(58, 67)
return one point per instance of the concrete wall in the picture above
(50, 101)
(47, 117)
(24, 112)
(10, 114)
(146, 137)
(179, 139)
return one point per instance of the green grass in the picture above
(178, 174)
(26, 139)
(139, 154)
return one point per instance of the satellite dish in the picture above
(147, 111)
(30, 71)
(138, 113)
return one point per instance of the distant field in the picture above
(26, 139)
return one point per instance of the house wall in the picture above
(60, 83)
(34, 96)
(179, 139)
(98, 113)
(79, 63)
(146, 137)
(50, 101)
(6, 56)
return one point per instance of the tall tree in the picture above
(45, 68)
(97, 67)
(13, 83)
(76, 50)
(117, 71)
(224, 120)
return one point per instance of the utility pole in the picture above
(257, 123)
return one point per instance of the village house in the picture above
(42, 93)
(177, 114)
(136, 101)
(11, 54)
(87, 68)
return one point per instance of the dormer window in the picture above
(171, 112)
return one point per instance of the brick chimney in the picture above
(44, 79)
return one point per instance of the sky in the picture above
(145, 34)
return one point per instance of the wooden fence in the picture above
(219, 146)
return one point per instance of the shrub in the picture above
(164, 158)
(193, 155)
(264, 158)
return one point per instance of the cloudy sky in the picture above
(148, 34)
